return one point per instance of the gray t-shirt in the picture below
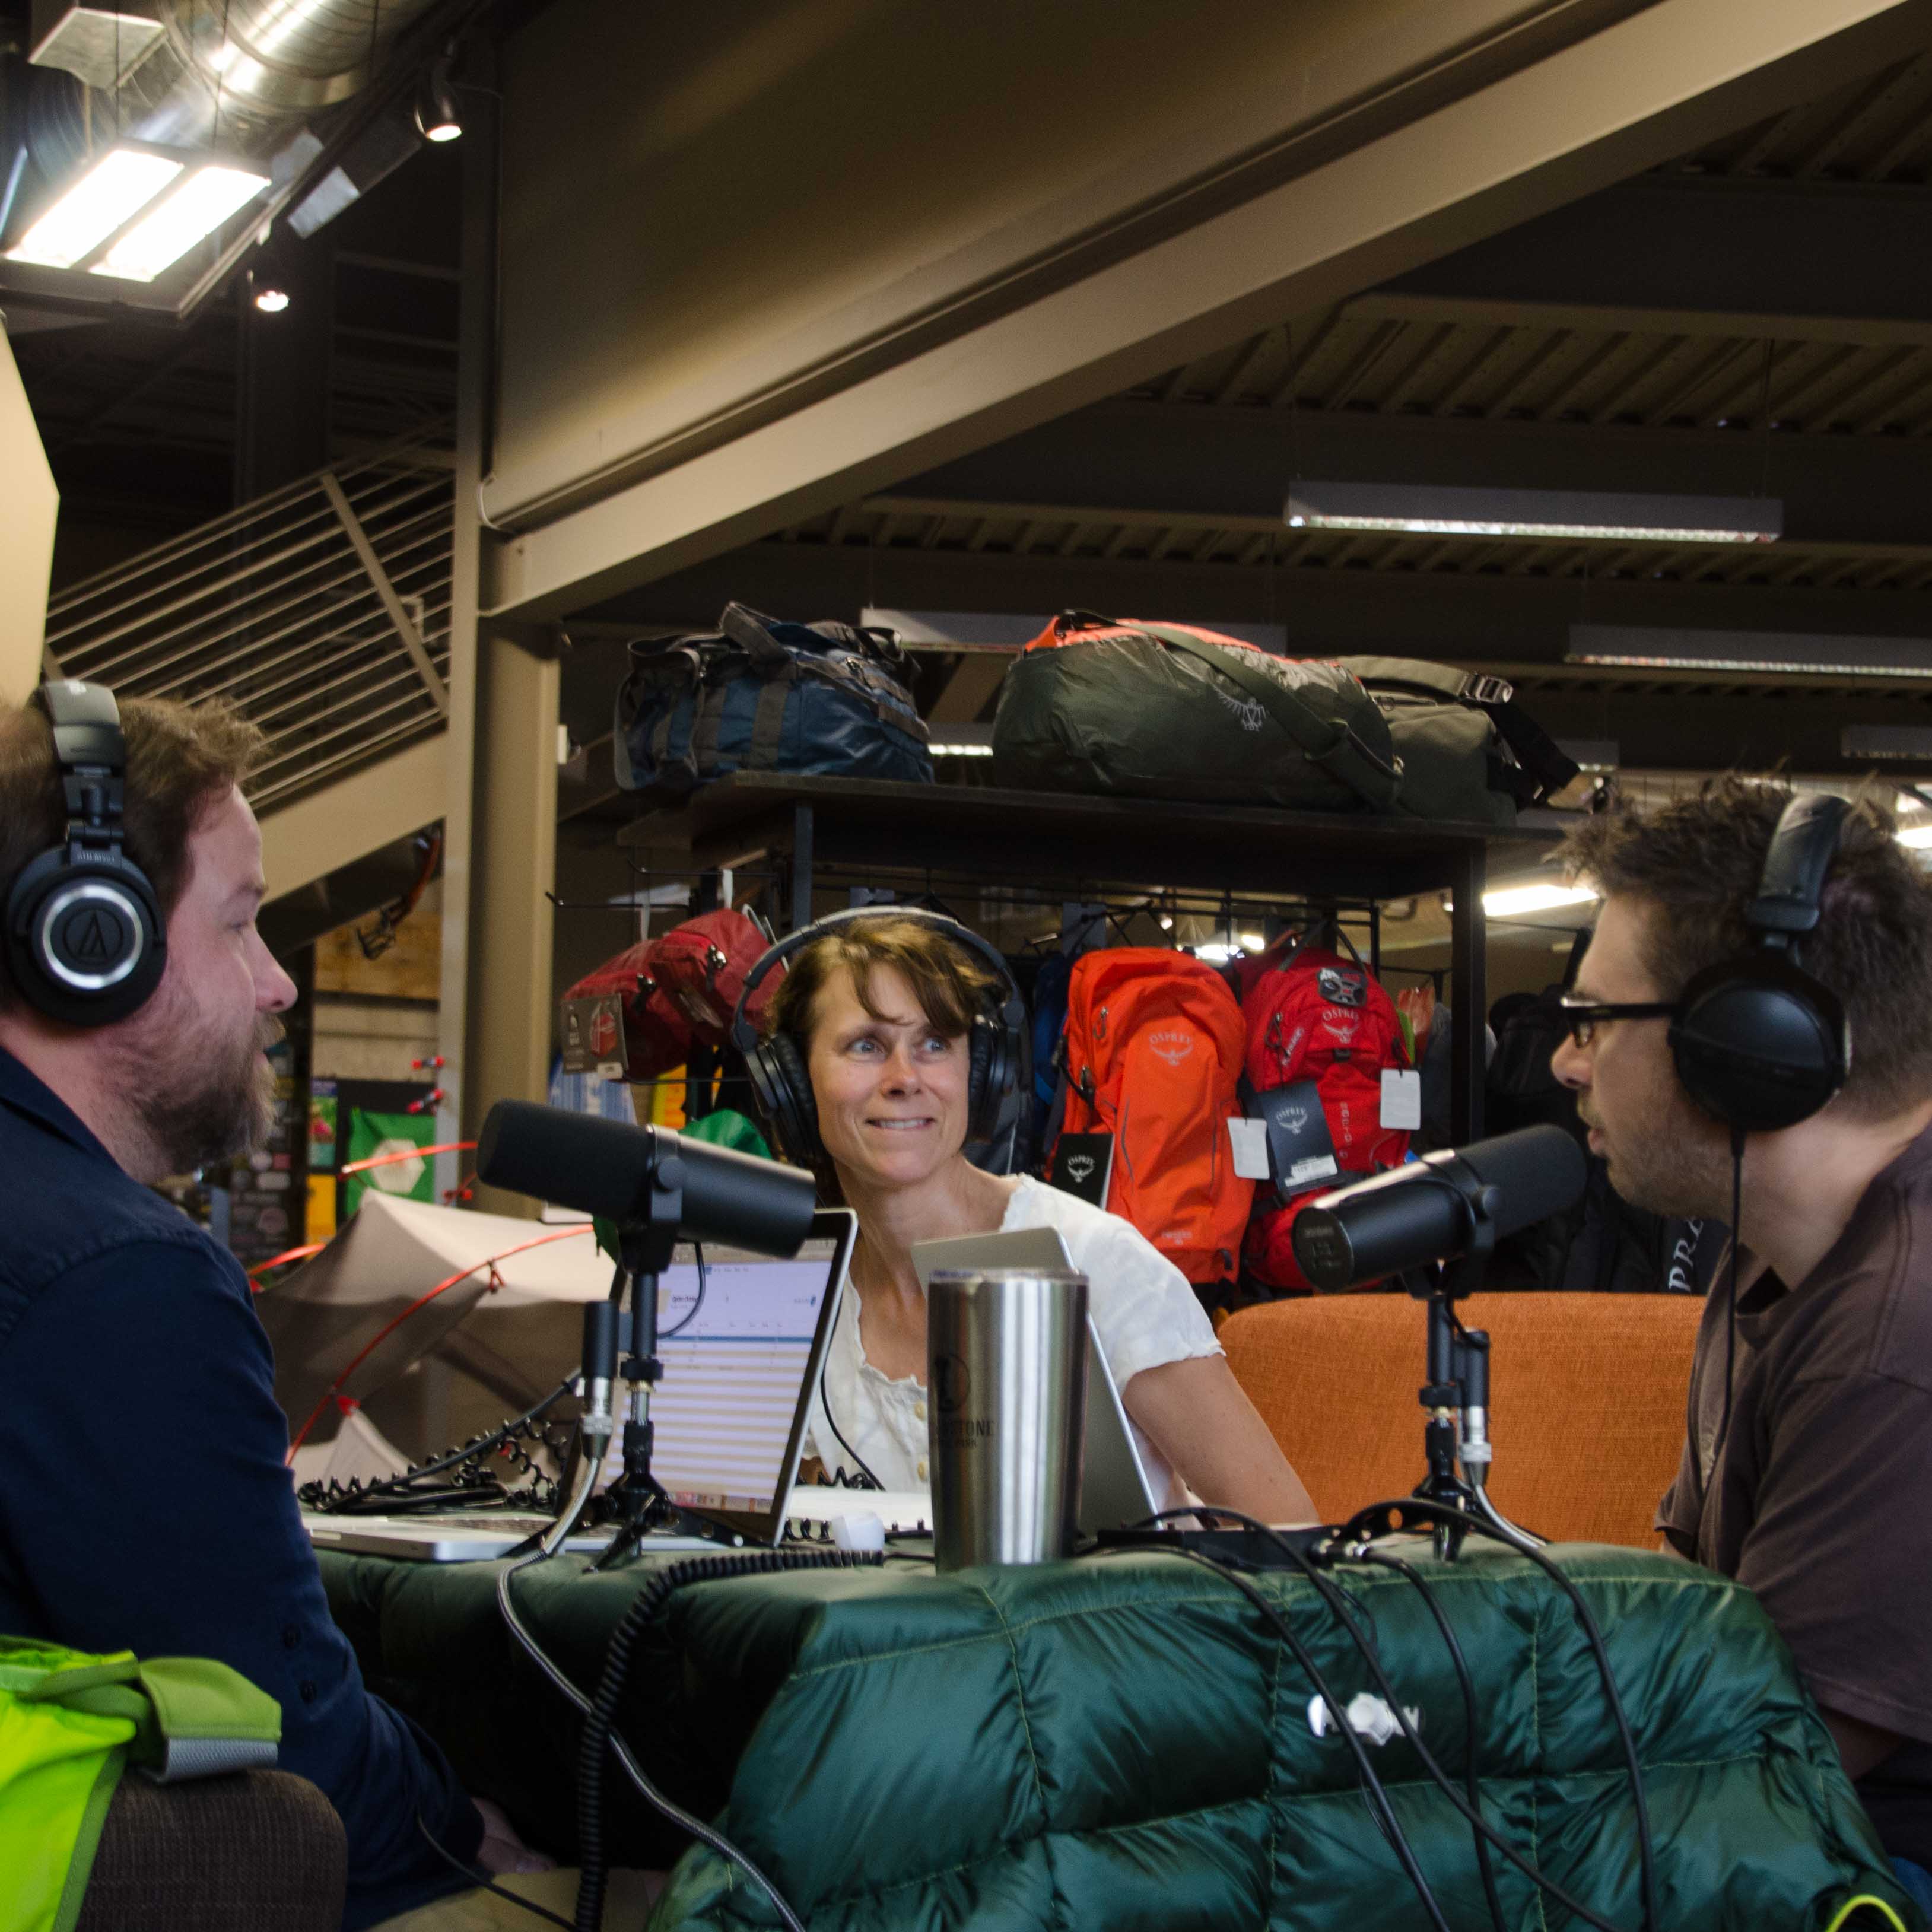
(1819, 1496)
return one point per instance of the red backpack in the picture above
(703, 964)
(678, 990)
(1153, 1046)
(1312, 1014)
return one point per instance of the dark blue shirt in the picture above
(144, 1504)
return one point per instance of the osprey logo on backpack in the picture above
(1171, 1045)
(1080, 1166)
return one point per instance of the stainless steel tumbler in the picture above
(1006, 1374)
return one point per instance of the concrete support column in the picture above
(512, 868)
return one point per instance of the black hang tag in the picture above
(1083, 1164)
(1301, 1152)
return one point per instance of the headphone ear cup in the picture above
(983, 1045)
(86, 943)
(781, 1085)
(1760, 1045)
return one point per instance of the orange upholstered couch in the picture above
(1587, 1398)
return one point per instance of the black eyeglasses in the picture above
(1582, 1016)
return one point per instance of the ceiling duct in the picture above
(241, 76)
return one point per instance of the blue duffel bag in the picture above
(761, 695)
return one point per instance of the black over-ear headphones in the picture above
(781, 1082)
(86, 940)
(1759, 1043)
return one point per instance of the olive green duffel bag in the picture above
(1469, 750)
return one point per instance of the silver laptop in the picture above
(1114, 1487)
(742, 1338)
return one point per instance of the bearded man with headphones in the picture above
(1751, 1042)
(144, 1503)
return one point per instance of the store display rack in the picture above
(799, 828)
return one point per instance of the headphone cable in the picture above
(1730, 1304)
(1338, 1602)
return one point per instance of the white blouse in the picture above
(1144, 1313)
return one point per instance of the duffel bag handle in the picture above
(751, 630)
(1337, 758)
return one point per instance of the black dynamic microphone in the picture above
(603, 1167)
(1426, 1211)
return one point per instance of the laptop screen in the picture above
(741, 1337)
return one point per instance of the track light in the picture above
(271, 298)
(437, 117)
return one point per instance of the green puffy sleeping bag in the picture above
(1123, 1742)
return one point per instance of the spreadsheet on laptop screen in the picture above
(734, 1369)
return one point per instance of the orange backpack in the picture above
(1153, 1045)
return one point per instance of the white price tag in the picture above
(1250, 1143)
(1402, 1098)
(1316, 1167)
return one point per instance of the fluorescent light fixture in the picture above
(942, 750)
(1454, 510)
(1513, 902)
(962, 741)
(935, 630)
(1647, 648)
(191, 213)
(1519, 902)
(116, 188)
(1887, 741)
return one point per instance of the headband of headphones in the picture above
(1011, 1005)
(1791, 888)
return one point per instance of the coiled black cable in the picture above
(601, 1717)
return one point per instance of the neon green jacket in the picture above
(70, 1722)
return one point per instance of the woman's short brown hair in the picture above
(950, 986)
(1696, 862)
(182, 759)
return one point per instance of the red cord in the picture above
(389, 1328)
(412, 1154)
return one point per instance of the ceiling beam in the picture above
(1644, 89)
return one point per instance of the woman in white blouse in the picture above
(879, 1009)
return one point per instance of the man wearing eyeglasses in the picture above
(1807, 1470)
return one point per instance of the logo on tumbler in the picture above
(951, 1384)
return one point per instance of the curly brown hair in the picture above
(1696, 862)
(181, 759)
(950, 986)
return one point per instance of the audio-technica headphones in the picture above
(1758, 1042)
(85, 941)
(781, 1082)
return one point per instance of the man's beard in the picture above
(202, 1102)
(1675, 1163)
